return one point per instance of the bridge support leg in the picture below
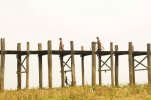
(116, 67)
(40, 66)
(49, 65)
(131, 65)
(2, 63)
(82, 65)
(149, 63)
(112, 64)
(19, 66)
(93, 63)
(72, 64)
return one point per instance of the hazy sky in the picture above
(118, 21)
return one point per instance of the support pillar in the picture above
(116, 66)
(72, 64)
(49, 64)
(2, 63)
(19, 66)
(93, 63)
(149, 63)
(40, 65)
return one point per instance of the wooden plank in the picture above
(49, 64)
(2, 63)
(116, 67)
(72, 65)
(112, 63)
(149, 63)
(40, 66)
(19, 66)
(82, 64)
(27, 66)
(133, 66)
(93, 63)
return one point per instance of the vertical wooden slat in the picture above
(149, 63)
(130, 58)
(40, 65)
(116, 66)
(133, 66)
(2, 63)
(27, 66)
(93, 63)
(49, 64)
(82, 64)
(19, 66)
(72, 64)
(111, 64)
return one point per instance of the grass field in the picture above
(140, 92)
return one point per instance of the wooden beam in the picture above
(93, 63)
(72, 64)
(2, 63)
(19, 66)
(112, 63)
(40, 66)
(82, 64)
(116, 66)
(27, 66)
(49, 64)
(149, 63)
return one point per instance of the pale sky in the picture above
(36, 21)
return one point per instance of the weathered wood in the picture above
(116, 67)
(131, 68)
(27, 66)
(19, 66)
(149, 63)
(93, 63)
(40, 66)
(49, 64)
(62, 71)
(2, 63)
(112, 63)
(82, 64)
(72, 64)
(100, 67)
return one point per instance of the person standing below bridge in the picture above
(100, 47)
(61, 46)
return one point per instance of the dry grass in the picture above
(81, 93)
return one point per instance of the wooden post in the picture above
(111, 64)
(133, 66)
(49, 64)
(19, 66)
(40, 65)
(130, 53)
(72, 64)
(149, 63)
(93, 63)
(82, 64)
(99, 63)
(62, 71)
(2, 63)
(27, 66)
(116, 67)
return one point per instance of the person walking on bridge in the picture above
(100, 47)
(61, 46)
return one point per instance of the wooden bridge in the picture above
(112, 67)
